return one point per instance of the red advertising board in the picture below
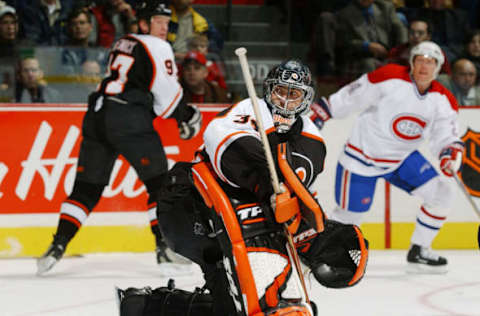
(39, 151)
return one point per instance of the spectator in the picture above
(193, 80)
(419, 30)
(31, 86)
(187, 22)
(449, 26)
(473, 8)
(471, 49)
(87, 80)
(9, 42)
(215, 72)
(367, 29)
(43, 21)
(79, 26)
(462, 82)
(114, 18)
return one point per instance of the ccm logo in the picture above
(408, 127)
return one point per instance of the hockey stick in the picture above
(469, 198)
(292, 252)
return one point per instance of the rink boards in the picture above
(37, 167)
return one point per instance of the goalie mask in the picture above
(288, 92)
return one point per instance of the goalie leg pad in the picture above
(255, 257)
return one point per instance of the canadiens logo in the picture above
(408, 127)
(470, 172)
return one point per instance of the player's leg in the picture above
(418, 177)
(353, 195)
(131, 131)
(95, 163)
(182, 219)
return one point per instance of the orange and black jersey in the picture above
(142, 70)
(237, 156)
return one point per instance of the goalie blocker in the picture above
(241, 251)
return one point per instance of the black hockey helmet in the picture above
(291, 82)
(147, 9)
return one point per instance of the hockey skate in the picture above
(53, 254)
(170, 262)
(423, 260)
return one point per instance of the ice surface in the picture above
(85, 286)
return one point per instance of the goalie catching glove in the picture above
(337, 256)
(451, 158)
(191, 127)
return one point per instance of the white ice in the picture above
(85, 286)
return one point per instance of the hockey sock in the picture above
(66, 229)
(429, 222)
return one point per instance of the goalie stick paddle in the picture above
(241, 52)
(469, 198)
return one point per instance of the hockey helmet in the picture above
(147, 9)
(428, 49)
(288, 91)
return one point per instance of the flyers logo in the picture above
(470, 173)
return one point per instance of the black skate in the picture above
(172, 263)
(423, 260)
(53, 254)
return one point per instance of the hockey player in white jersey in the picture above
(402, 107)
(140, 84)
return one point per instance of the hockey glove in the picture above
(286, 209)
(320, 113)
(190, 128)
(451, 158)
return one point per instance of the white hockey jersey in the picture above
(306, 145)
(394, 121)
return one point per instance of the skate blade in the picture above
(177, 258)
(168, 269)
(45, 264)
(420, 268)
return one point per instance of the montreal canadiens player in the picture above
(401, 107)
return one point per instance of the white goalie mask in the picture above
(288, 91)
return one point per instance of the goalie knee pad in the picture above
(164, 301)
(337, 257)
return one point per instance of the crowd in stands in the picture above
(347, 38)
(352, 37)
(73, 38)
